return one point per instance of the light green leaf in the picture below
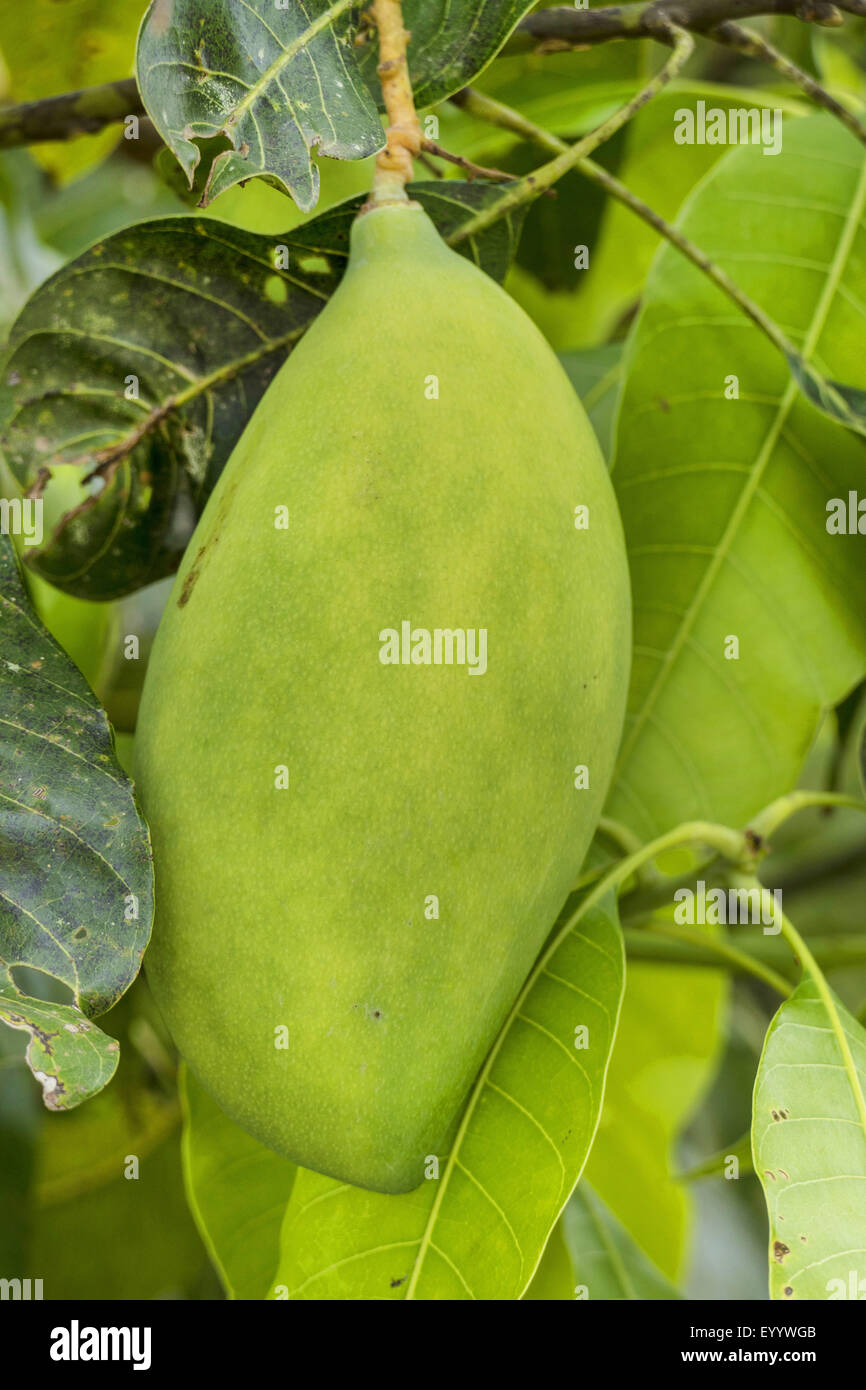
(724, 500)
(809, 1146)
(478, 1230)
(237, 1191)
(554, 1278)
(596, 375)
(47, 48)
(607, 1263)
(665, 1054)
(662, 174)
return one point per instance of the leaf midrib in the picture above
(272, 73)
(816, 326)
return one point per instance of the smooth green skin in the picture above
(306, 907)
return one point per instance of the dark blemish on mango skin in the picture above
(196, 567)
(195, 571)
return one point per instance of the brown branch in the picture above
(753, 46)
(403, 136)
(577, 28)
(93, 108)
(475, 171)
(74, 113)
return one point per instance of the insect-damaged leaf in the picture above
(76, 893)
(275, 80)
(809, 1147)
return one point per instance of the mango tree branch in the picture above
(753, 46)
(498, 114)
(403, 136)
(573, 28)
(88, 111)
(571, 156)
(74, 113)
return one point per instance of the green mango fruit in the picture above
(357, 857)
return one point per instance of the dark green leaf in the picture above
(277, 82)
(556, 226)
(77, 893)
(452, 41)
(844, 404)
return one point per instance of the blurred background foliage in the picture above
(68, 1213)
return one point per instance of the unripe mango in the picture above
(361, 726)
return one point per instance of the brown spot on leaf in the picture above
(780, 1250)
(395, 1283)
(163, 14)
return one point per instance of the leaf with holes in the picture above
(749, 615)
(477, 1227)
(809, 1147)
(274, 81)
(77, 891)
(144, 358)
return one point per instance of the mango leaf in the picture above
(237, 1192)
(666, 1052)
(271, 84)
(607, 1264)
(86, 1191)
(845, 404)
(452, 41)
(276, 82)
(663, 175)
(862, 759)
(476, 1228)
(809, 1147)
(143, 359)
(749, 614)
(554, 1278)
(75, 865)
(596, 375)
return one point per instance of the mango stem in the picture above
(403, 136)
